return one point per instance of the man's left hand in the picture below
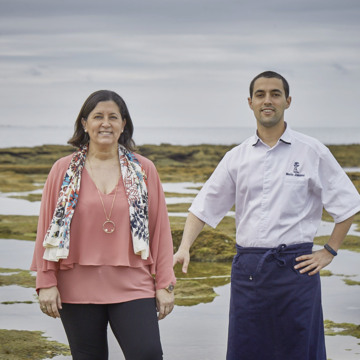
(314, 262)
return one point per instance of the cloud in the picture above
(178, 62)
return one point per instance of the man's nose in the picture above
(267, 99)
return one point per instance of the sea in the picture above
(20, 136)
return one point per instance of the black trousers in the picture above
(134, 324)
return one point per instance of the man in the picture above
(279, 180)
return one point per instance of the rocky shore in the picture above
(24, 170)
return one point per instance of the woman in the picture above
(103, 251)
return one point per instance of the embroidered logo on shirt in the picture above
(295, 170)
(296, 165)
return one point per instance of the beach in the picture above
(197, 328)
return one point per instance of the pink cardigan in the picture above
(102, 268)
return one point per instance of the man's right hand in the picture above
(182, 256)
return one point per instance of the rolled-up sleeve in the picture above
(338, 194)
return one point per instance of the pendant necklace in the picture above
(108, 225)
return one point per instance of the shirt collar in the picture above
(285, 137)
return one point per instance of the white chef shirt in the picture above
(279, 192)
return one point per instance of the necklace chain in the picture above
(108, 225)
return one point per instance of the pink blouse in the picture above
(102, 268)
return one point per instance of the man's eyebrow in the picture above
(273, 90)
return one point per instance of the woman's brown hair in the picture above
(81, 138)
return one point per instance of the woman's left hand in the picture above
(164, 303)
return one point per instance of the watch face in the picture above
(170, 287)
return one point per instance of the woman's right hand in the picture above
(50, 301)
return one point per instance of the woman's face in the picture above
(104, 124)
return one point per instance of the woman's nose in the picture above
(106, 121)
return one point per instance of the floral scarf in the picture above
(57, 238)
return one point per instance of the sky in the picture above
(178, 63)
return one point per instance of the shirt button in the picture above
(250, 278)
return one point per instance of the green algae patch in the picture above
(345, 329)
(174, 194)
(213, 274)
(11, 181)
(26, 168)
(18, 227)
(211, 245)
(175, 163)
(203, 270)
(29, 345)
(351, 282)
(17, 302)
(346, 155)
(17, 277)
(23, 159)
(197, 285)
(190, 293)
(177, 222)
(180, 207)
(355, 178)
(227, 226)
(326, 273)
(28, 197)
(350, 242)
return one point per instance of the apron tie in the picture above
(272, 254)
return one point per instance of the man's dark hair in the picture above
(270, 75)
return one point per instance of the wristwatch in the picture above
(170, 288)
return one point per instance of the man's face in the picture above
(268, 102)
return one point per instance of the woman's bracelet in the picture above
(330, 249)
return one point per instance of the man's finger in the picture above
(185, 266)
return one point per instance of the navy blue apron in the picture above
(275, 312)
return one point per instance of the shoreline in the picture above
(176, 135)
(175, 163)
